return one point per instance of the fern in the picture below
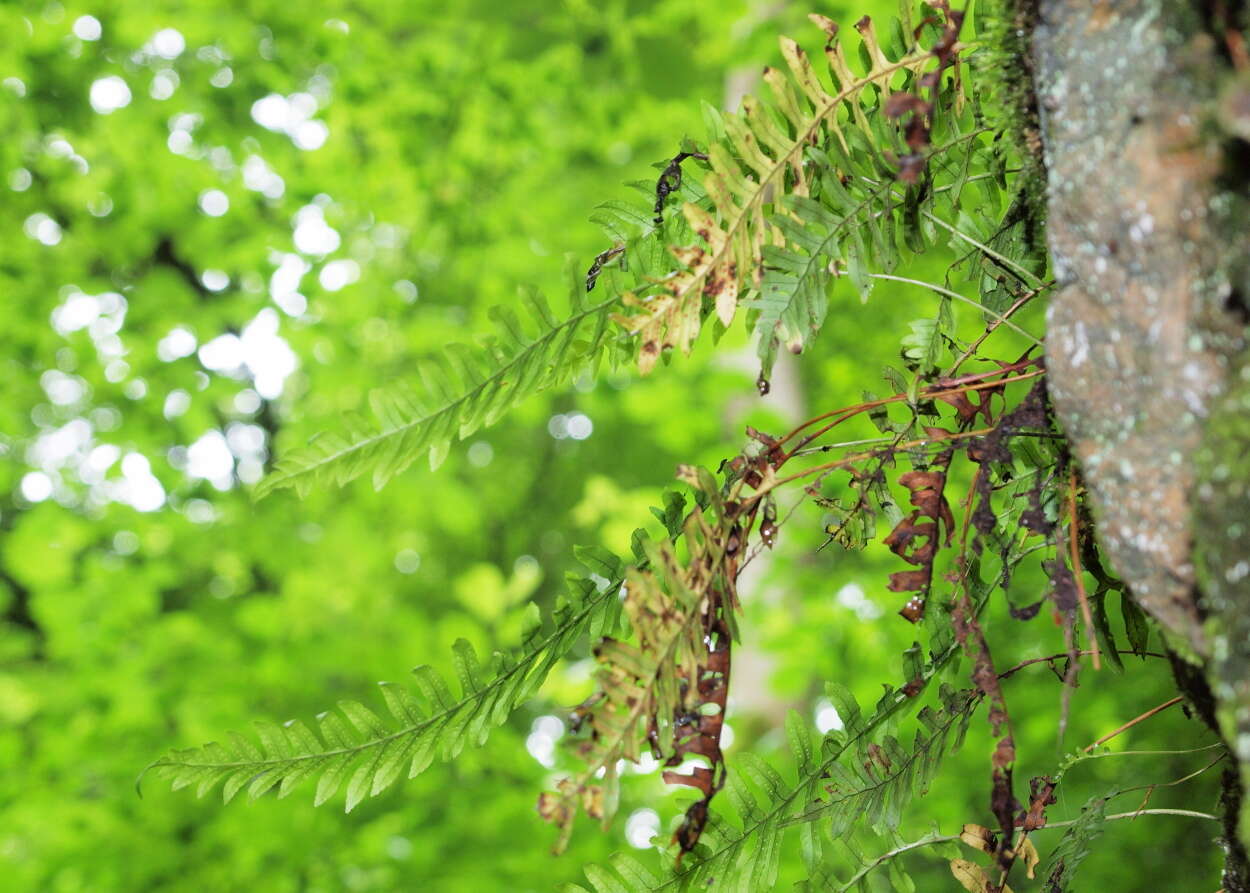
(469, 387)
(370, 753)
(676, 609)
(796, 186)
(746, 856)
(873, 790)
(1075, 844)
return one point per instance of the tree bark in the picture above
(1140, 106)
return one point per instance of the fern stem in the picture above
(994, 324)
(948, 388)
(984, 249)
(1150, 753)
(935, 839)
(958, 297)
(1132, 722)
(894, 853)
(1186, 813)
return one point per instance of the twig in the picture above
(1134, 721)
(873, 404)
(1187, 813)
(860, 457)
(897, 851)
(995, 323)
(952, 838)
(1051, 658)
(958, 297)
(1149, 788)
(1078, 574)
(1152, 753)
(929, 394)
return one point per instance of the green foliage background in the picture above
(468, 142)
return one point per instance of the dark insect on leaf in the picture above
(670, 181)
(602, 259)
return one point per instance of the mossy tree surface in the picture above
(1142, 105)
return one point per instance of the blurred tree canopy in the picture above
(224, 226)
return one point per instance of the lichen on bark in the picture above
(1137, 336)
(1145, 344)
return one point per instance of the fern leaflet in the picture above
(470, 387)
(1075, 844)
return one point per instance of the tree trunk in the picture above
(1141, 103)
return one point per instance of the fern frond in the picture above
(874, 790)
(870, 788)
(369, 753)
(824, 230)
(745, 855)
(627, 875)
(648, 690)
(467, 387)
(1075, 844)
(761, 160)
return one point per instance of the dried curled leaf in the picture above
(973, 877)
(917, 541)
(666, 690)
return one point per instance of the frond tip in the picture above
(353, 744)
(465, 389)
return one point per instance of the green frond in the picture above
(872, 791)
(860, 782)
(854, 227)
(626, 875)
(465, 389)
(1075, 844)
(355, 746)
